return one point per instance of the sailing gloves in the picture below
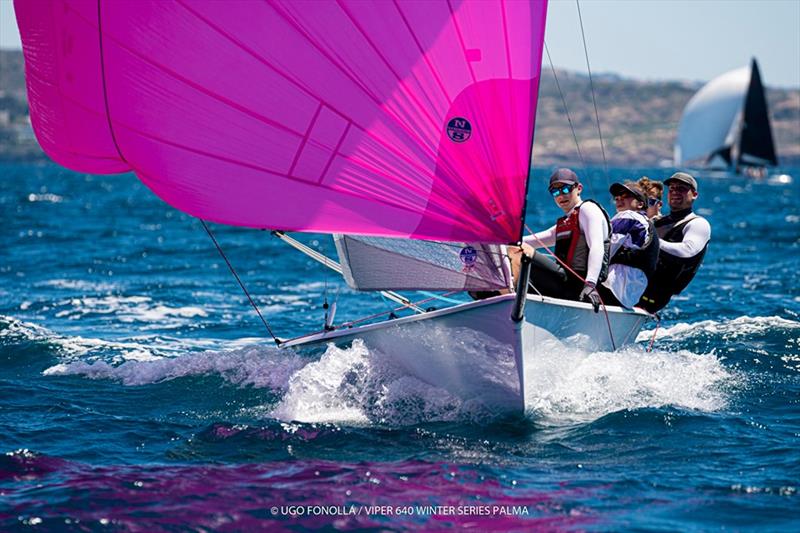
(589, 294)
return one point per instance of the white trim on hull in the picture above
(476, 352)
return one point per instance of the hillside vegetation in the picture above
(638, 119)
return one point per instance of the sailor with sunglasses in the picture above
(581, 239)
(684, 240)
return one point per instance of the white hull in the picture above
(476, 352)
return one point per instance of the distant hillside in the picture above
(638, 119)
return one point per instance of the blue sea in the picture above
(140, 392)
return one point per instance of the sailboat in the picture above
(726, 125)
(405, 129)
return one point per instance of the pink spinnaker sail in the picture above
(391, 118)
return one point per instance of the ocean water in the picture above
(139, 391)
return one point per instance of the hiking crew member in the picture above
(634, 247)
(684, 241)
(581, 239)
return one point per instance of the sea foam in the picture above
(568, 385)
(354, 385)
(255, 366)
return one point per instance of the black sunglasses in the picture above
(558, 191)
(652, 202)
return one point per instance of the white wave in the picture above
(77, 284)
(150, 359)
(257, 366)
(310, 286)
(71, 348)
(315, 393)
(14, 328)
(130, 309)
(729, 329)
(779, 179)
(81, 346)
(567, 385)
(355, 385)
(45, 197)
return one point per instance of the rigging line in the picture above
(440, 297)
(655, 331)
(235, 275)
(591, 85)
(387, 303)
(405, 306)
(310, 252)
(325, 305)
(350, 324)
(335, 266)
(566, 109)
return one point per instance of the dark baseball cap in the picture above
(683, 177)
(565, 176)
(630, 187)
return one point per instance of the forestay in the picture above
(406, 119)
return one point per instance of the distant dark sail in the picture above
(724, 153)
(756, 146)
(726, 123)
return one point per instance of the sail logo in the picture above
(459, 129)
(468, 256)
(496, 212)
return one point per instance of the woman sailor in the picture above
(634, 247)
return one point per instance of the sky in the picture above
(651, 39)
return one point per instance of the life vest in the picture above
(678, 271)
(645, 259)
(672, 274)
(571, 247)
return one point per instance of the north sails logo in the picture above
(468, 256)
(459, 129)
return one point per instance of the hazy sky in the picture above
(652, 39)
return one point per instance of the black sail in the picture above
(756, 146)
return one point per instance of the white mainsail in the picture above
(711, 117)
